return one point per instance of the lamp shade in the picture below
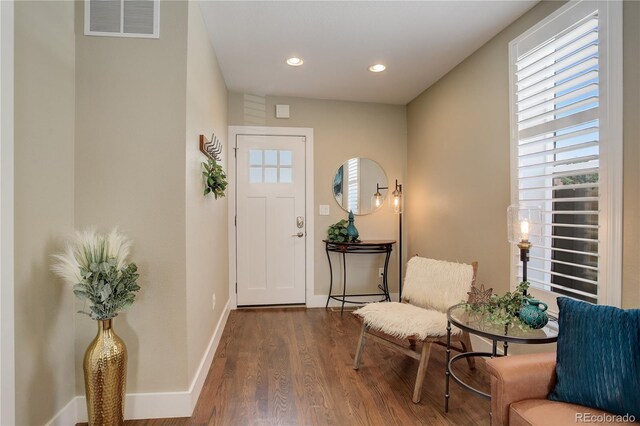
(524, 223)
(396, 201)
(377, 200)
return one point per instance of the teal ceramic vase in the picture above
(533, 313)
(352, 231)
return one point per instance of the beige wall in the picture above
(207, 253)
(458, 159)
(130, 172)
(44, 143)
(342, 130)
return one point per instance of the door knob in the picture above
(299, 235)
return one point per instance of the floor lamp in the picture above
(396, 204)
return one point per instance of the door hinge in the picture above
(236, 288)
(235, 152)
(235, 221)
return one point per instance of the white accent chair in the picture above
(430, 288)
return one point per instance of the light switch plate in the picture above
(324, 210)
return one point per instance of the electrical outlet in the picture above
(381, 272)
(213, 302)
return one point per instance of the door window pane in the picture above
(271, 157)
(285, 157)
(255, 157)
(255, 175)
(270, 175)
(285, 175)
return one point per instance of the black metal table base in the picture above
(450, 361)
(365, 247)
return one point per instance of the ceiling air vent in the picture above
(122, 18)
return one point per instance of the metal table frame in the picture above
(363, 247)
(495, 338)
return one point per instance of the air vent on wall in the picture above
(122, 18)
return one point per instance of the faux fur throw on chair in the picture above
(436, 284)
(430, 288)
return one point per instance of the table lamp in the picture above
(524, 223)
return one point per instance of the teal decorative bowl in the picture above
(533, 313)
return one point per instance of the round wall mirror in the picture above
(356, 183)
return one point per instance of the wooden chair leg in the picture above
(422, 369)
(360, 349)
(465, 340)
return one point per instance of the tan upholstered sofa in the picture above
(519, 388)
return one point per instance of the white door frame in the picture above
(307, 133)
(7, 337)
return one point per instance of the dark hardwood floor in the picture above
(294, 367)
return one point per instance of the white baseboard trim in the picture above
(156, 404)
(320, 300)
(67, 416)
(207, 359)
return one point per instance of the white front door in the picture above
(271, 221)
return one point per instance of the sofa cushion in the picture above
(552, 413)
(598, 363)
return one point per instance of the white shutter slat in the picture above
(562, 174)
(574, 225)
(582, 41)
(558, 274)
(547, 93)
(587, 160)
(573, 212)
(530, 143)
(557, 78)
(567, 289)
(559, 124)
(561, 200)
(569, 62)
(591, 268)
(554, 187)
(545, 105)
(560, 237)
(564, 149)
(581, 252)
(546, 116)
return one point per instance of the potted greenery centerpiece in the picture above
(502, 310)
(96, 265)
(339, 232)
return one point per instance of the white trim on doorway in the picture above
(7, 338)
(307, 133)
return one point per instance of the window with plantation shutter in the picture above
(566, 117)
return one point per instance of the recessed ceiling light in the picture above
(377, 68)
(295, 62)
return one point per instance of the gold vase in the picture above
(105, 377)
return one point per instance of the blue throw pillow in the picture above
(598, 361)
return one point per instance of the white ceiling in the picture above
(418, 41)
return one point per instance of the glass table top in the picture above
(476, 323)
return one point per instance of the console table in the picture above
(363, 247)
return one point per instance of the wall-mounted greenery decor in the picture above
(215, 180)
